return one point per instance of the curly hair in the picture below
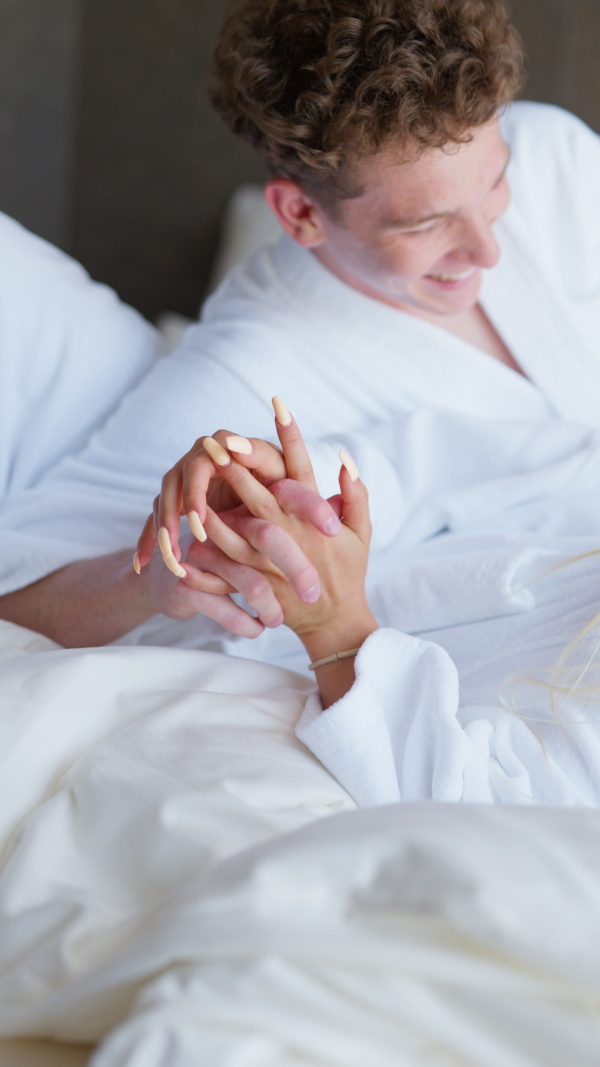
(315, 84)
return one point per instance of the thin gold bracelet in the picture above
(333, 659)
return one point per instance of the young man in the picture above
(405, 281)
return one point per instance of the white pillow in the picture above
(248, 224)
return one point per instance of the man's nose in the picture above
(480, 242)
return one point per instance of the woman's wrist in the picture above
(339, 634)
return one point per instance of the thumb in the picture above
(355, 499)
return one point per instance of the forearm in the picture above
(91, 602)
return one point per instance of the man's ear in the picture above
(300, 217)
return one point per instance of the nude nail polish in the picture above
(239, 444)
(196, 526)
(281, 412)
(216, 452)
(136, 563)
(349, 464)
(164, 542)
(174, 567)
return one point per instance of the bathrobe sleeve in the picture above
(96, 501)
(401, 734)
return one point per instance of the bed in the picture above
(247, 224)
(186, 884)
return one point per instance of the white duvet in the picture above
(175, 888)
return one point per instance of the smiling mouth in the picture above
(460, 277)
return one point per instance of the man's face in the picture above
(420, 234)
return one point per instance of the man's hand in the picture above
(93, 602)
(210, 577)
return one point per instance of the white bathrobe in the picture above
(342, 361)
(456, 713)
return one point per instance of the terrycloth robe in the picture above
(479, 583)
(342, 361)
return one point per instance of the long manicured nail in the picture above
(239, 444)
(174, 567)
(281, 412)
(164, 543)
(333, 526)
(196, 526)
(312, 595)
(216, 452)
(350, 465)
(136, 563)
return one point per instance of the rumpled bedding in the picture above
(184, 884)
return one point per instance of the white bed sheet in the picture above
(184, 883)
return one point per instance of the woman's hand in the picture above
(197, 481)
(333, 615)
(200, 479)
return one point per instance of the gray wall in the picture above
(562, 38)
(109, 149)
(154, 166)
(39, 50)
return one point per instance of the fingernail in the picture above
(164, 542)
(350, 465)
(174, 567)
(196, 526)
(239, 444)
(216, 452)
(136, 563)
(333, 526)
(276, 622)
(312, 595)
(281, 412)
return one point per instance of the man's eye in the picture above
(423, 229)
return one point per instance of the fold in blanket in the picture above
(183, 882)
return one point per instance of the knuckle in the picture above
(267, 536)
(269, 506)
(236, 474)
(166, 480)
(193, 466)
(303, 472)
(255, 588)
